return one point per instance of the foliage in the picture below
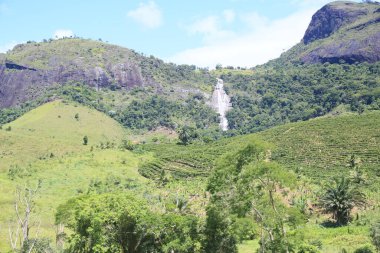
(244, 184)
(113, 222)
(375, 235)
(340, 198)
(85, 140)
(127, 145)
(39, 245)
(219, 235)
(159, 111)
(277, 92)
(187, 134)
(364, 249)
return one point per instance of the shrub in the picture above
(364, 249)
(85, 140)
(375, 235)
(127, 144)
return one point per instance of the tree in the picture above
(122, 222)
(375, 235)
(187, 134)
(24, 207)
(218, 230)
(340, 198)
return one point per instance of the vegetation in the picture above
(121, 222)
(278, 93)
(340, 198)
(146, 168)
(375, 235)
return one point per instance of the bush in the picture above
(375, 235)
(127, 144)
(364, 249)
(85, 140)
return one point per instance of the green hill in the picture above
(324, 144)
(45, 146)
(322, 147)
(316, 150)
(54, 130)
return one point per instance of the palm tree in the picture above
(340, 198)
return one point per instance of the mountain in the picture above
(30, 69)
(341, 31)
(145, 93)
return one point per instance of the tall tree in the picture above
(340, 198)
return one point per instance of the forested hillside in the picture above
(277, 93)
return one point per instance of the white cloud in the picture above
(229, 16)
(209, 27)
(147, 14)
(8, 46)
(62, 33)
(262, 41)
(254, 20)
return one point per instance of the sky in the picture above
(205, 33)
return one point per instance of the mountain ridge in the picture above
(341, 31)
(30, 69)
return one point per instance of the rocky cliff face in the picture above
(341, 31)
(332, 17)
(29, 69)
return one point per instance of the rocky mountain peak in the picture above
(331, 17)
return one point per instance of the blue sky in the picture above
(205, 33)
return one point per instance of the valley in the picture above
(105, 150)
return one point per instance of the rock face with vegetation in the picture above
(29, 69)
(341, 31)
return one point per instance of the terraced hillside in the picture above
(324, 143)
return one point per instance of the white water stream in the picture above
(220, 101)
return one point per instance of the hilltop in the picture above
(53, 130)
(341, 31)
(30, 69)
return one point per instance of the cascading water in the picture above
(220, 101)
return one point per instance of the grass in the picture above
(53, 130)
(248, 246)
(75, 169)
(320, 146)
(47, 144)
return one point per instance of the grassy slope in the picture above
(75, 168)
(52, 128)
(37, 133)
(85, 53)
